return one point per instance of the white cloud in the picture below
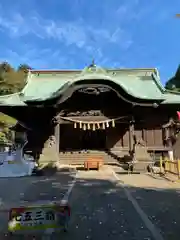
(90, 41)
(38, 58)
(77, 32)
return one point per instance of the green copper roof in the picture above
(141, 84)
(11, 100)
(44, 85)
(41, 90)
(171, 98)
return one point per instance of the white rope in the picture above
(90, 122)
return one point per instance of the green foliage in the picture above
(3, 138)
(24, 67)
(5, 132)
(174, 82)
(6, 120)
(12, 80)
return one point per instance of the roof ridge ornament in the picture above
(93, 68)
(92, 65)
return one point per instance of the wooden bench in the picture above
(93, 163)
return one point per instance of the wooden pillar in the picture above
(131, 136)
(169, 142)
(168, 137)
(57, 136)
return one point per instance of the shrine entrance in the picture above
(77, 139)
(93, 140)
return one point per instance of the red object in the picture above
(15, 211)
(68, 209)
(178, 113)
(64, 209)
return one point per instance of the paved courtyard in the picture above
(25, 191)
(105, 204)
(135, 207)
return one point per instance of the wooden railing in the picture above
(167, 166)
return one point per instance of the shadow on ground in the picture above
(50, 170)
(33, 190)
(101, 209)
(50, 186)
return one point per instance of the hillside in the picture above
(12, 80)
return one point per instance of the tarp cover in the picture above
(15, 165)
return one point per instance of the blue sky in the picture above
(67, 34)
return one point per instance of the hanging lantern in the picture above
(103, 125)
(94, 127)
(98, 125)
(89, 127)
(113, 123)
(80, 124)
(84, 127)
(75, 125)
(107, 124)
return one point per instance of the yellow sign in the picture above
(11, 162)
(38, 218)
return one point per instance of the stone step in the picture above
(80, 158)
(140, 167)
(76, 162)
(142, 154)
(48, 155)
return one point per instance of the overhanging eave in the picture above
(105, 83)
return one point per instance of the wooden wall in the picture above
(151, 135)
(117, 137)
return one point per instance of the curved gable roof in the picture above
(12, 100)
(47, 85)
(143, 84)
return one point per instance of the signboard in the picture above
(38, 218)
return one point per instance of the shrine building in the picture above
(108, 112)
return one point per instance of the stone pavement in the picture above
(136, 207)
(159, 199)
(101, 208)
(28, 191)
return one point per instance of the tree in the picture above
(174, 82)
(6, 122)
(3, 138)
(12, 81)
(5, 67)
(24, 67)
